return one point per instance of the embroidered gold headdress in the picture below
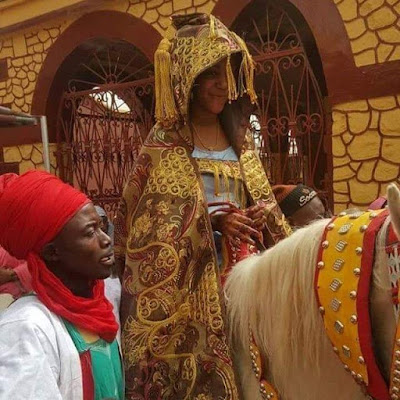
(199, 42)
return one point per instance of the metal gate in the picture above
(100, 133)
(102, 126)
(289, 124)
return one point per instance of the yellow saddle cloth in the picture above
(342, 284)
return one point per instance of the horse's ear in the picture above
(393, 195)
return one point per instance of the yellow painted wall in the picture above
(30, 156)
(25, 52)
(366, 133)
(373, 27)
(366, 156)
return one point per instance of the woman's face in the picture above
(83, 249)
(210, 91)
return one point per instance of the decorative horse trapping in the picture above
(342, 284)
(346, 270)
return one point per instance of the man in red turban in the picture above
(58, 342)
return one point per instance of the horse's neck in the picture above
(274, 293)
(383, 319)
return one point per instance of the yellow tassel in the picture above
(226, 183)
(166, 111)
(242, 196)
(216, 180)
(241, 83)
(213, 29)
(246, 68)
(232, 89)
(237, 190)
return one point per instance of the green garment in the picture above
(106, 365)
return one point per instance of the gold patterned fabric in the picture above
(174, 335)
(223, 171)
(200, 41)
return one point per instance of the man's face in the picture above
(310, 212)
(83, 249)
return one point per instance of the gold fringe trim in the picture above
(227, 188)
(232, 88)
(216, 181)
(237, 191)
(223, 171)
(247, 69)
(213, 29)
(166, 110)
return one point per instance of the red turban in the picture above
(33, 209)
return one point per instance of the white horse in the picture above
(273, 294)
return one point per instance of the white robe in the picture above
(112, 290)
(38, 360)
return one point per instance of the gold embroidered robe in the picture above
(174, 333)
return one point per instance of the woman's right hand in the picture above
(235, 226)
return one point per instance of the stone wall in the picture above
(30, 156)
(365, 144)
(365, 133)
(373, 27)
(25, 53)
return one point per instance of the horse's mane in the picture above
(292, 320)
(273, 294)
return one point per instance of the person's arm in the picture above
(29, 363)
(24, 276)
(7, 275)
(267, 217)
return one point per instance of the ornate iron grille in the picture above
(289, 124)
(100, 133)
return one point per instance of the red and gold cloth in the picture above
(174, 334)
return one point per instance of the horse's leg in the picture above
(250, 386)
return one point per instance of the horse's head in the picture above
(393, 195)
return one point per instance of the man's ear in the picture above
(49, 253)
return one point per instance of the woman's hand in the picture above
(257, 215)
(235, 226)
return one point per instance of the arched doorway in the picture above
(104, 115)
(291, 124)
(95, 87)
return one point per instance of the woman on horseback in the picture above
(168, 233)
